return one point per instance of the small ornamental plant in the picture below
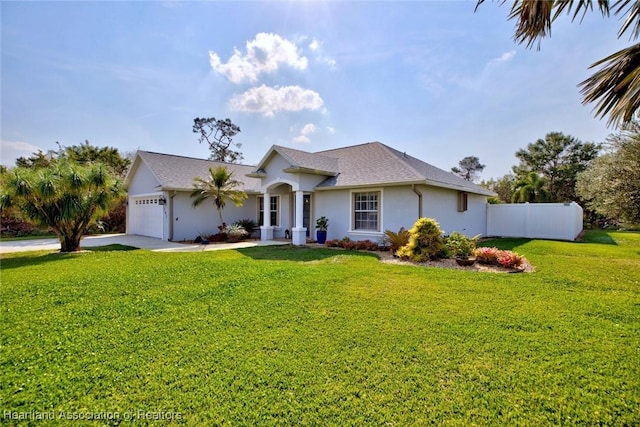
(396, 240)
(486, 255)
(495, 256)
(508, 259)
(461, 246)
(235, 232)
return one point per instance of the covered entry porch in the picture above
(285, 211)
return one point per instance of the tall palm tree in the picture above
(615, 87)
(220, 187)
(529, 189)
(64, 196)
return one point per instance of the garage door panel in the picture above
(146, 216)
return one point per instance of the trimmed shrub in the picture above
(459, 245)
(425, 241)
(347, 243)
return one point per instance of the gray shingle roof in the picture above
(377, 164)
(361, 165)
(309, 161)
(177, 172)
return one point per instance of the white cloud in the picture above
(264, 54)
(301, 139)
(269, 100)
(316, 48)
(306, 130)
(505, 57)
(314, 45)
(11, 150)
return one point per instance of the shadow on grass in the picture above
(507, 243)
(24, 259)
(112, 248)
(297, 253)
(598, 236)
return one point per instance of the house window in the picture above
(273, 209)
(366, 211)
(463, 201)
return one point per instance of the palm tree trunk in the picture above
(70, 243)
(220, 216)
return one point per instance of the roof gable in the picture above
(300, 161)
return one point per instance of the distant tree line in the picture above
(604, 178)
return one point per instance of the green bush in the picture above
(425, 241)
(459, 245)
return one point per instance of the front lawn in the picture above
(297, 336)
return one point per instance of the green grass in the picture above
(297, 336)
(30, 237)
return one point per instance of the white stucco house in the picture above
(363, 190)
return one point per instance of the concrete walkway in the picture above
(149, 243)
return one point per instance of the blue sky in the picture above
(433, 79)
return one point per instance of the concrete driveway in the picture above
(149, 243)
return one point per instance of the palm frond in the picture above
(534, 17)
(615, 88)
(633, 16)
(579, 6)
(533, 20)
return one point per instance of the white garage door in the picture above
(146, 216)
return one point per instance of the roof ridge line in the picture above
(193, 158)
(393, 151)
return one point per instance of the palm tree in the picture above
(529, 189)
(615, 87)
(219, 186)
(64, 196)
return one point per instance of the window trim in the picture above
(463, 201)
(277, 210)
(352, 210)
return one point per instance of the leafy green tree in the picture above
(37, 160)
(219, 135)
(502, 186)
(65, 196)
(219, 187)
(109, 156)
(530, 189)
(82, 154)
(616, 85)
(557, 158)
(470, 168)
(611, 184)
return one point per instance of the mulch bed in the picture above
(388, 258)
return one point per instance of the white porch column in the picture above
(299, 234)
(266, 230)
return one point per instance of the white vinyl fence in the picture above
(557, 221)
